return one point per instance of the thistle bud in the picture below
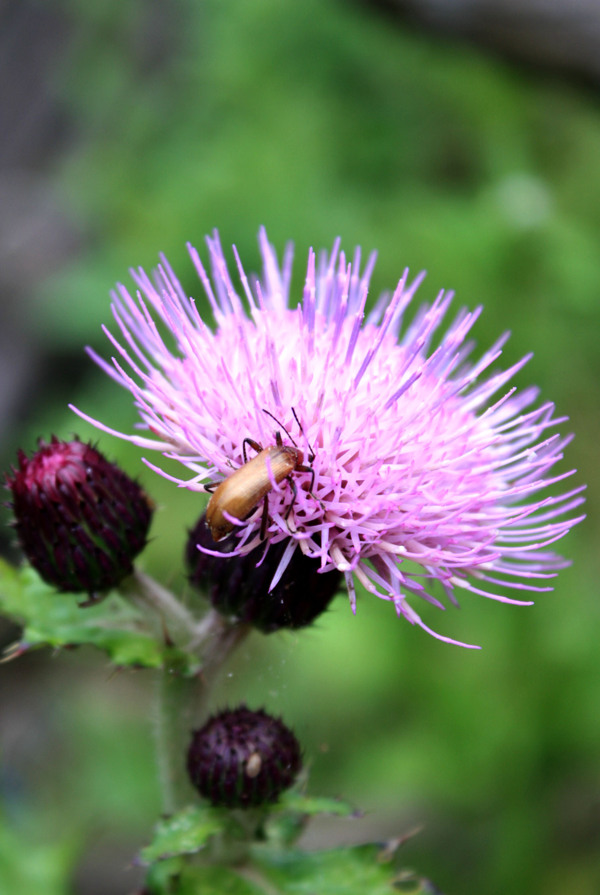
(237, 586)
(243, 758)
(80, 520)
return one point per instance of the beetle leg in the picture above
(253, 444)
(211, 486)
(294, 496)
(265, 518)
(312, 475)
(312, 483)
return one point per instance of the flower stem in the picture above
(182, 701)
(175, 699)
(182, 704)
(148, 593)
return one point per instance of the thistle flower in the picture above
(80, 520)
(423, 469)
(241, 758)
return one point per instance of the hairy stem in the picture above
(182, 704)
(182, 701)
(175, 697)
(147, 593)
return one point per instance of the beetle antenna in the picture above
(312, 453)
(280, 424)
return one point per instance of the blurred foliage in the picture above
(29, 868)
(316, 119)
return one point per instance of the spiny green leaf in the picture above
(315, 805)
(343, 871)
(186, 832)
(269, 868)
(290, 814)
(175, 878)
(54, 619)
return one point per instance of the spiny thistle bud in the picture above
(243, 758)
(238, 586)
(80, 520)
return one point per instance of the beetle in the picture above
(243, 490)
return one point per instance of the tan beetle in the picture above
(243, 490)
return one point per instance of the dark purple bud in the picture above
(238, 587)
(80, 520)
(242, 758)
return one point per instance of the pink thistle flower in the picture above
(424, 469)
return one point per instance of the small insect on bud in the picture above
(237, 586)
(243, 758)
(80, 520)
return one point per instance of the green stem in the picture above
(174, 722)
(182, 705)
(182, 701)
(149, 594)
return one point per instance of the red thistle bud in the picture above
(237, 586)
(242, 758)
(80, 520)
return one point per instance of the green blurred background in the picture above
(159, 121)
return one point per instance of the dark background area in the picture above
(473, 152)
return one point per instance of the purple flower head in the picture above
(423, 467)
